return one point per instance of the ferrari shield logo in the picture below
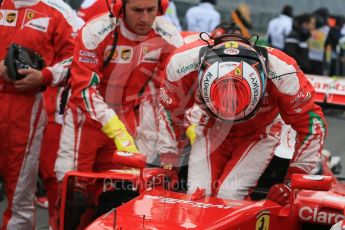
(263, 221)
(238, 71)
(11, 17)
(231, 45)
(30, 15)
(145, 49)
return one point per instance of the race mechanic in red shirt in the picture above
(112, 79)
(47, 27)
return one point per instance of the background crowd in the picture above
(315, 38)
(319, 33)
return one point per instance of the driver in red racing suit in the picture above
(232, 106)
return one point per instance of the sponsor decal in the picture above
(125, 154)
(152, 56)
(126, 54)
(145, 49)
(36, 20)
(231, 45)
(273, 75)
(88, 60)
(192, 203)
(327, 85)
(187, 68)
(107, 54)
(2, 17)
(106, 29)
(301, 99)
(314, 215)
(122, 54)
(30, 15)
(263, 221)
(286, 83)
(238, 71)
(164, 96)
(11, 17)
(163, 32)
(255, 88)
(84, 53)
(59, 7)
(206, 85)
(232, 51)
(8, 17)
(339, 86)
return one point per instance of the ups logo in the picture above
(1, 16)
(126, 54)
(11, 17)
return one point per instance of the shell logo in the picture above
(107, 54)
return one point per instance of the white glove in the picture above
(338, 226)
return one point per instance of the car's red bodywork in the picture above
(161, 209)
(158, 208)
(320, 201)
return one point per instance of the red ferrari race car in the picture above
(146, 198)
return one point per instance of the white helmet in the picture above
(232, 79)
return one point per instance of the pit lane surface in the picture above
(335, 142)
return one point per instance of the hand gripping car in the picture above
(317, 202)
(19, 57)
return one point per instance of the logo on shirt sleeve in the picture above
(8, 17)
(122, 54)
(150, 53)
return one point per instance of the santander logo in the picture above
(314, 215)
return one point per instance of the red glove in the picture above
(280, 193)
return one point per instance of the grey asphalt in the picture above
(335, 142)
